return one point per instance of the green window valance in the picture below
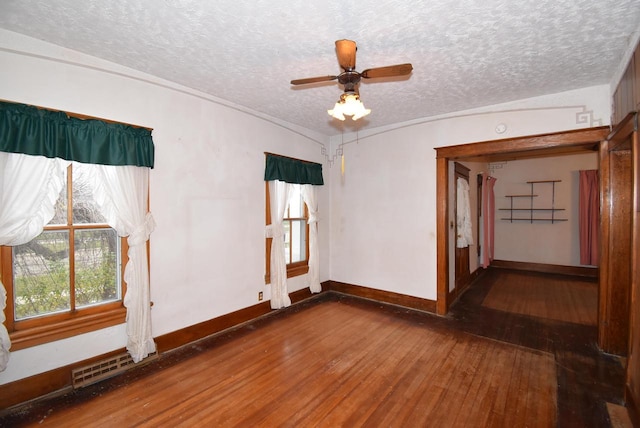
(33, 131)
(292, 170)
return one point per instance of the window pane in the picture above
(96, 265)
(60, 216)
(296, 204)
(287, 241)
(298, 241)
(85, 209)
(41, 275)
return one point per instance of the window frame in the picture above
(47, 328)
(293, 269)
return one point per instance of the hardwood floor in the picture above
(342, 361)
(555, 297)
(587, 378)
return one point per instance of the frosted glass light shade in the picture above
(349, 105)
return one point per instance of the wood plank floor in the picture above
(557, 297)
(342, 361)
(587, 378)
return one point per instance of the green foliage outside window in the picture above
(42, 279)
(45, 267)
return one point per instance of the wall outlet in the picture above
(259, 296)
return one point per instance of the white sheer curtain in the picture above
(279, 194)
(29, 188)
(121, 194)
(313, 277)
(463, 215)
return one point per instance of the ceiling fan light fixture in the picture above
(336, 112)
(349, 105)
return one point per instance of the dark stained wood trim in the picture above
(616, 246)
(186, 335)
(45, 333)
(461, 169)
(383, 296)
(27, 389)
(50, 383)
(179, 338)
(58, 381)
(605, 231)
(618, 138)
(525, 144)
(456, 293)
(442, 235)
(632, 407)
(547, 268)
(632, 378)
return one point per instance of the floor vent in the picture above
(85, 376)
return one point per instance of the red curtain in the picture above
(589, 217)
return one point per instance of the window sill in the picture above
(292, 271)
(297, 270)
(21, 339)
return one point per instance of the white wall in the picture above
(540, 242)
(383, 217)
(207, 192)
(377, 222)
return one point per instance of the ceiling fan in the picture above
(350, 103)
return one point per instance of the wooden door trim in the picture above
(614, 325)
(632, 378)
(618, 138)
(442, 236)
(522, 146)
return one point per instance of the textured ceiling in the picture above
(465, 53)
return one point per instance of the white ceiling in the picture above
(465, 53)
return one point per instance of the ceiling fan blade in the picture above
(389, 71)
(346, 50)
(313, 80)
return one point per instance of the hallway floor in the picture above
(587, 378)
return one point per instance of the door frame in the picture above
(616, 184)
(553, 144)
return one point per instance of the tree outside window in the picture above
(73, 267)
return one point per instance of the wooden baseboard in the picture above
(58, 381)
(547, 268)
(454, 294)
(52, 382)
(383, 296)
(632, 406)
(201, 330)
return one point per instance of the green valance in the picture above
(292, 170)
(33, 131)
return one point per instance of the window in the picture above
(296, 232)
(67, 280)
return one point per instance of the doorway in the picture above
(570, 142)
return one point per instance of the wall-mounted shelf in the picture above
(531, 209)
